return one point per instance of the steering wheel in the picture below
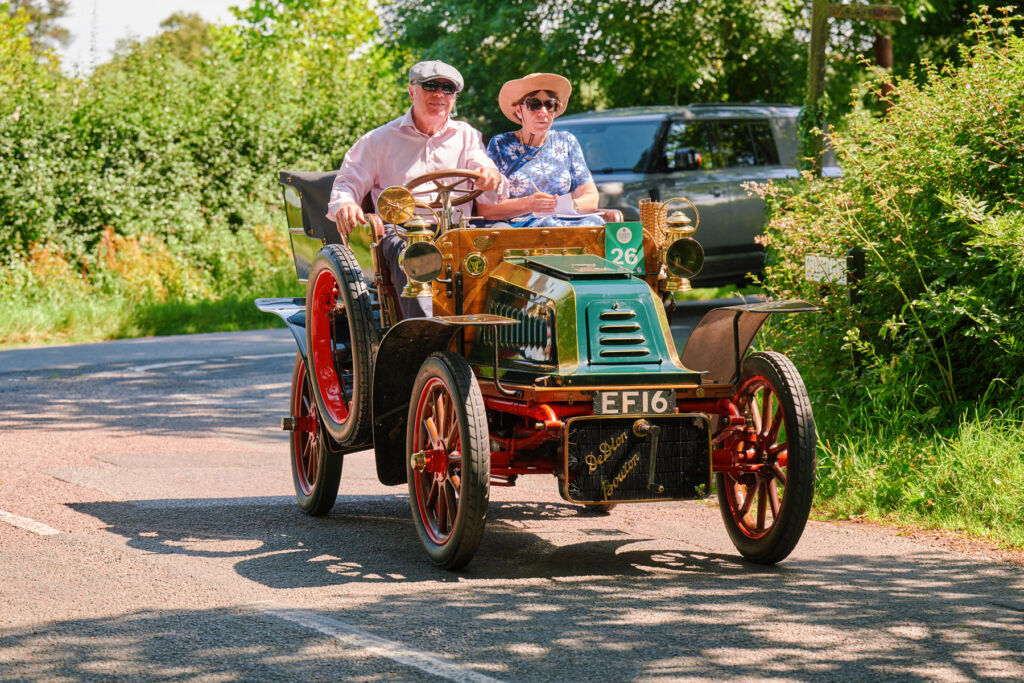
(446, 185)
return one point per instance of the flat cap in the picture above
(422, 72)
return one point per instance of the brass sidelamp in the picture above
(681, 257)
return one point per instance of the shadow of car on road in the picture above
(660, 609)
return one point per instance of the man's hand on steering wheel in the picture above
(489, 178)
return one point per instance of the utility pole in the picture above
(821, 11)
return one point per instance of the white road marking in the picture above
(351, 636)
(27, 524)
(154, 366)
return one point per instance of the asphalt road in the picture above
(148, 531)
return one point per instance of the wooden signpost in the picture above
(820, 12)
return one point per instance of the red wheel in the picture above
(316, 471)
(339, 336)
(449, 460)
(766, 507)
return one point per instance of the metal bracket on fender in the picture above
(399, 357)
(293, 312)
(740, 324)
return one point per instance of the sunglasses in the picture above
(447, 87)
(534, 104)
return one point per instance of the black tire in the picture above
(316, 471)
(786, 453)
(340, 338)
(447, 393)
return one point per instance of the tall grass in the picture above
(967, 477)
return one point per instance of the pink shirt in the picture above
(397, 152)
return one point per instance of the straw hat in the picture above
(513, 91)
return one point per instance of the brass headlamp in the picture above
(421, 261)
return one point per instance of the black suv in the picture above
(702, 152)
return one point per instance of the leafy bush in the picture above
(934, 195)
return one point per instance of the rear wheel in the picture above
(316, 471)
(766, 507)
(449, 460)
(340, 336)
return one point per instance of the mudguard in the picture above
(731, 327)
(399, 357)
(293, 313)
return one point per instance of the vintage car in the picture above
(549, 353)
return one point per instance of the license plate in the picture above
(635, 402)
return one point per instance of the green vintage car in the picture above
(549, 353)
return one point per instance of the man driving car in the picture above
(424, 139)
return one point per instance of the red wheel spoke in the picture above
(773, 494)
(442, 508)
(435, 438)
(779, 474)
(762, 505)
(314, 465)
(452, 506)
(766, 410)
(307, 457)
(432, 493)
(441, 412)
(776, 426)
(747, 500)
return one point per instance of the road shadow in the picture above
(670, 611)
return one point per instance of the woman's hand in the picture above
(541, 202)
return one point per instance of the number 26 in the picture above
(628, 257)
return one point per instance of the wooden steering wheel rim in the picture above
(457, 196)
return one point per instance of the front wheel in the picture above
(448, 460)
(316, 472)
(765, 507)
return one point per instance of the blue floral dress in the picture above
(556, 167)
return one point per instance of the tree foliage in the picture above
(42, 27)
(616, 52)
(638, 52)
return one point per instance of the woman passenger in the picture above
(540, 164)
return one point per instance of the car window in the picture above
(610, 146)
(743, 143)
(686, 139)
